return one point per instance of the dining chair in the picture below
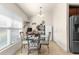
(33, 44)
(44, 40)
(23, 40)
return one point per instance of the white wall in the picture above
(60, 25)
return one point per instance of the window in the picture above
(14, 35)
(14, 31)
(9, 31)
(3, 37)
(5, 21)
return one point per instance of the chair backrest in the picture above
(49, 36)
(46, 37)
(22, 36)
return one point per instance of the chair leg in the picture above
(28, 52)
(38, 51)
(21, 48)
(48, 47)
(24, 45)
(40, 46)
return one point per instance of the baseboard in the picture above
(60, 45)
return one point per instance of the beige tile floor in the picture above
(54, 49)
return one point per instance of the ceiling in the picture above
(32, 9)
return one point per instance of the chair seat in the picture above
(43, 36)
(33, 48)
(24, 42)
(44, 42)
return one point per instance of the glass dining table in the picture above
(33, 42)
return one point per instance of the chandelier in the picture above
(41, 12)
